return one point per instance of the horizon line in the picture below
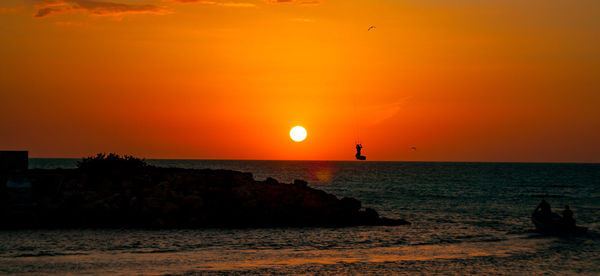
(371, 161)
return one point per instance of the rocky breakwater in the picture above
(120, 194)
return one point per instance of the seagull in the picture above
(370, 28)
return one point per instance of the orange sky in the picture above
(461, 80)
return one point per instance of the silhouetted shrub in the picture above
(111, 162)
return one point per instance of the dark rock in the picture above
(369, 216)
(300, 183)
(193, 202)
(271, 181)
(350, 204)
(170, 197)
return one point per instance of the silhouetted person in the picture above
(358, 155)
(567, 218)
(544, 211)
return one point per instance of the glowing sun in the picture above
(298, 133)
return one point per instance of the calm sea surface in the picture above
(467, 218)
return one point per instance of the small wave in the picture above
(561, 186)
(125, 247)
(462, 239)
(437, 242)
(471, 237)
(444, 220)
(26, 248)
(47, 254)
(401, 241)
(492, 239)
(157, 251)
(479, 238)
(547, 196)
(520, 232)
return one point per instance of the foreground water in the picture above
(467, 218)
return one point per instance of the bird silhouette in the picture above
(370, 28)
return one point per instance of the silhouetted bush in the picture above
(111, 162)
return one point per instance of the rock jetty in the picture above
(132, 194)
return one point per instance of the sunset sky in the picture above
(460, 80)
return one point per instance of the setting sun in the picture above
(298, 133)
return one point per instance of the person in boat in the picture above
(543, 211)
(567, 218)
(358, 154)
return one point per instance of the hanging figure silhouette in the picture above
(358, 155)
(359, 146)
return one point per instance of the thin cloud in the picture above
(218, 3)
(296, 2)
(309, 2)
(8, 10)
(380, 113)
(96, 8)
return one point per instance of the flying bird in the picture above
(370, 28)
(413, 148)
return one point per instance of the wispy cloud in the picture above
(218, 3)
(297, 2)
(46, 8)
(96, 8)
(380, 113)
(8, 10)
(309, 2)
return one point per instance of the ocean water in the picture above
(466, 218)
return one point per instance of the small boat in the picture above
(555, 226)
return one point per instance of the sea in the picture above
(467, 218)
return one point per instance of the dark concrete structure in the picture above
(13, 166)
(13, 161)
